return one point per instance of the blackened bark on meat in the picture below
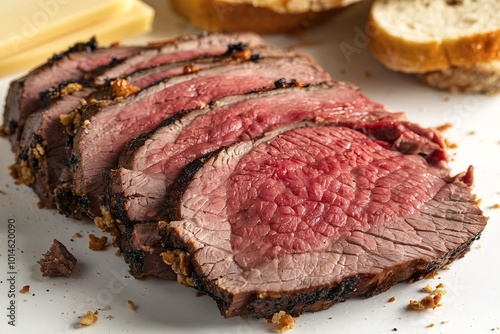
(89, 46)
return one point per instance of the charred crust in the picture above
(137, 142)
(69, 204)
(8, 129)
(135, 260)
(89, 46)
(282, 83)
(180, 184)
(48, 96)
(73, 160)
(255, 57)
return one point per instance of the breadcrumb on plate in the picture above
(88, 319)
(284, 321)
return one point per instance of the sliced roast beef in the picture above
(305, 218)
(44, 131)
(182, 48)
(164, 152)
(83, 59)
(23, 96)
(105, 130)
(138, 192)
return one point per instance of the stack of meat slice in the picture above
(242, 170)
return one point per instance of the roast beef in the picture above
(106, 129)
(44, 133)
(305, 218)
(137, 191)
(23, 96)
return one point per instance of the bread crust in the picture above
(400, 54)
(214, 15)
(481, 78)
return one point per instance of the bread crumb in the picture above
(368, 74)
(106, 308)
(77, 235)
(97, 244)
(428, 288)
(392, 299)
(121, 88)
(2, 192)
(25, 289)
(444, 127)
(131, 305)
(284, 321)
(89, 319)
(432, 300)
(109, 317)
(444, 322)
(71, 88)
(449, 144)
(472, 132)
(431, 325)
(496, 206)
(118, 253)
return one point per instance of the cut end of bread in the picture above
(430, 35)
(265, 17)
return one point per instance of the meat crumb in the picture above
(89, 319)
(2, 192)
(121, 88)
(57, 261)
(392, 299)
(432, 300)
(97, 244)
(25, 289)
(449, 144)
(444, 127)
(284, 321)
(131, 305)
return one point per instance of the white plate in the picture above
(101, 279)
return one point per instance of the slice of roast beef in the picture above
(164, 152)
(44, 131)
(105, 130)
(23, 96)
(182, 48)
(302, 219)
(138, 192)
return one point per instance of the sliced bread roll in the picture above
(419, 36)
(262, 16)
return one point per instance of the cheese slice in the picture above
(28, 23)
(136, 20)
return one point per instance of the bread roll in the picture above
(261, 16)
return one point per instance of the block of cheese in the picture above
(28, 23)
(136, 20)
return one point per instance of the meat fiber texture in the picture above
(39, 123)
(151, 162)
(308, 217)
(97, 147)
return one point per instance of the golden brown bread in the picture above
(264, 17)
